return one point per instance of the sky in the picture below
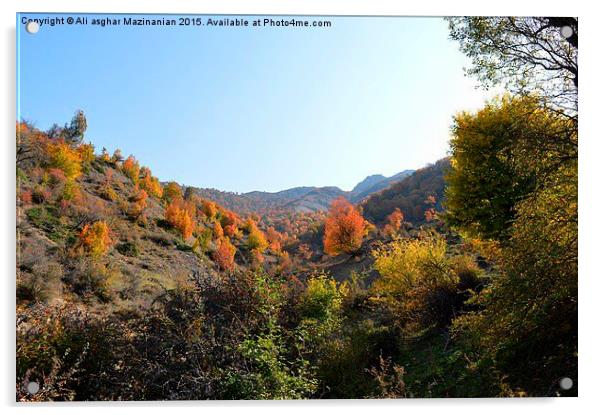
(253, 108)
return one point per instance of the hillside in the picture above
(298, 199)
(412, 195)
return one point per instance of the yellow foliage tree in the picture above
(96, 238)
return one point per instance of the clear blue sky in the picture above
(243, 109)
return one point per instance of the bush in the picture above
(42, 284)
(128, 249)
(417, 281)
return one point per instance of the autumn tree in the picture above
(343, 229)
(138, 203)
(177, 215)
(172, 191)
(86, 152)
(224, 254)
(394, 221)
(218, 231)
(209, 209)
(256, 240)
(149, 183)
(66, 158)
(131, 168)
(274, 239)
(96, 238)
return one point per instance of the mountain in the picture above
(376, 183)
(298, 199)
(367, 183)
(409, 195)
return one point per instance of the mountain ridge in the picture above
(299, 199)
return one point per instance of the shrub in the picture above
(128, 248)
(322, 299)
(42, 284)
(417, 281)
(26, 196)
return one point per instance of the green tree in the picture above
(500, 155)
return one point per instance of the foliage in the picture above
(178, 216)
(65, 158)
(343, 229)
(525, 54)
(96, 238)
(418, 281)
(150, 184)
(74, 133)
(131, 168)
(172, 192)
(224, 254)
(409, 195)
(499, 156)
(394, 222)
(256, 239)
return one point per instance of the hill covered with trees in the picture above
(458, 281)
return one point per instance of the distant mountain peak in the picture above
(368, 182)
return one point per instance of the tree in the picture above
(117, 157)
(256, 240)
(96, 238)
(172, 191)
(177, 215)
(343, 229)
(394, 221)
(74, 133)
(224, 254)
(209, 208)
(528, 55)
(500, 155)
(149, 183)
(66, 158)
(131, 168)
(139, 203)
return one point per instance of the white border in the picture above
(589, 183)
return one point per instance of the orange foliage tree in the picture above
(131, 168)
(274, 239)
(218, 231)
(343, 229)
(224, 254)
(394, 221)
(96, 238)
(177, 215)
(149, 183)
(209, 209)
(138, 203)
